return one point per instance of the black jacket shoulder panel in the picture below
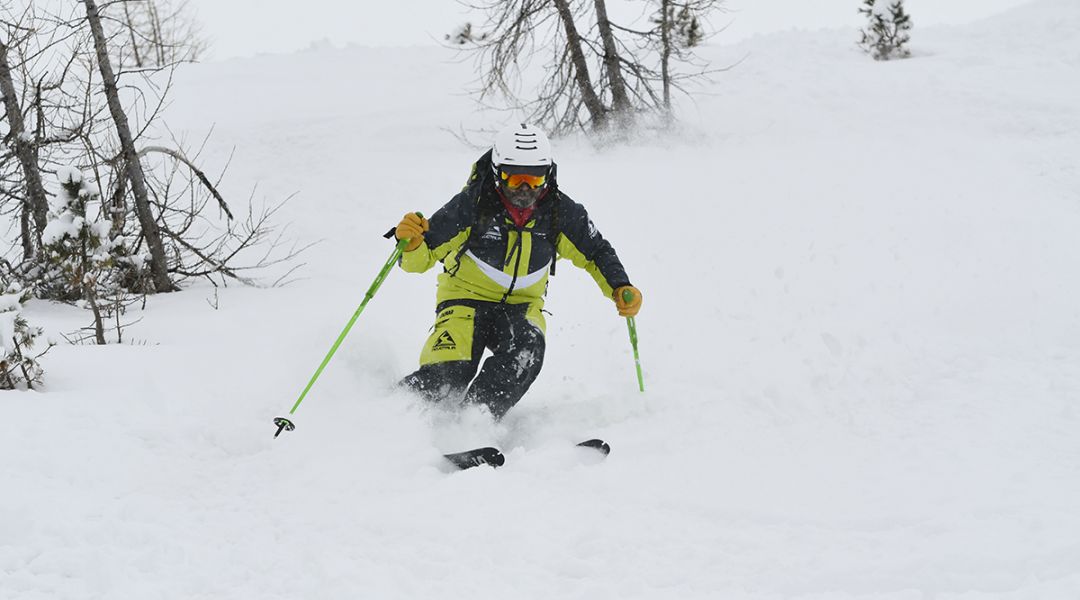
(579, 229)
(453, 218)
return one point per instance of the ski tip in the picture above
(497, 459)
(597, 444)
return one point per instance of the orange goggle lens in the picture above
(514, 181)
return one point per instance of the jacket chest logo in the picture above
(492, 234)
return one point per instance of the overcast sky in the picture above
(247, 27)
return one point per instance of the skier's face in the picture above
(522, 186)
(522, 197)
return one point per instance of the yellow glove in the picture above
(627, 308)
(412, 228)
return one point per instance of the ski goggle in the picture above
(515, 180)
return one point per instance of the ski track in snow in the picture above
(859, 338)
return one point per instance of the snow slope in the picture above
(860, 339)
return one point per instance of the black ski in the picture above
(599, 445)
(494, 458)
(474, 458)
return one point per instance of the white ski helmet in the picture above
(521, 163)
(521, 145)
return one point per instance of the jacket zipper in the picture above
(517, 263)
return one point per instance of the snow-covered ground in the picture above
(861, 342)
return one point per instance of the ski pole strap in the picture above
(398, 249)
(631, 325)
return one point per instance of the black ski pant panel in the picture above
(441, 381)
(517, 347)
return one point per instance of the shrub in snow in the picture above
(463, 35)
(18, 340)
(84, 264)
(887, 29)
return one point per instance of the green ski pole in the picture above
(627, 296)
(283, 423)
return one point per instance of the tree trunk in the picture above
(581, 67)
(36, 202)
(158, 38)
(129, 22)
(22, 364)
(26, 232)
(88, 282)
(99, 322)
(158, 266)
(665, 52)
(619, 98)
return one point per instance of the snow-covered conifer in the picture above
(18, 339)
(887, 29)
(85, 265)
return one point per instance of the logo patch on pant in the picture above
(445, 342)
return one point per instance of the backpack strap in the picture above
(486, 208)
(556, 197)
(555, 230)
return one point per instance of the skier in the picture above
(498, 240)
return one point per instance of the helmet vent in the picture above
(525, 141)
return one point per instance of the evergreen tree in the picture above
(85, 266)
(18, 339)
(688, 29)
(887, 29)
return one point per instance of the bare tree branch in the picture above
(194, 169)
